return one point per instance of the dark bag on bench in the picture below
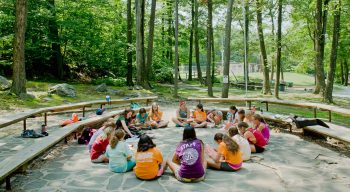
(304, 122)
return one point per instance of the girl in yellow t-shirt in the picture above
(149, 160)
(228, 157)
(199, 117)
(155, 116)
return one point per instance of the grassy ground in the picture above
(187, 89)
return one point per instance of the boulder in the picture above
(102, 88)
(63, 90)
(133, 95)
(4, 83)
(116, 92)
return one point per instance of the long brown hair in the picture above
(259, 118)
(117, 136)
(231, 145)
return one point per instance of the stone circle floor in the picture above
(288, 164)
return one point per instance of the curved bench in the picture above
(335, 131)
(23, 116)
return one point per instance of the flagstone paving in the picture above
(288, 164)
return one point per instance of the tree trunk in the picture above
(150, 39)
(56, 56)
(273, 58)
(328, 95)
(190, 57)
(19, 69)
(129, 81)
(163, 36)
(246, 34)
(342, 73)
(321, 24)
(346, 68)
(266, 86)
(196, 41)
(278, 55)
(176, 48)
(170, 33)
(226, 85)
(141, 78)
(209, 47)
(213, 56)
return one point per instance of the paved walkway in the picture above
(289, 164)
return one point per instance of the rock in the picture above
(116, 92)
(102, 88)
(63, 90)
(4, 83)
(133, 95)
(26, 96)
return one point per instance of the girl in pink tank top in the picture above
(262, 126)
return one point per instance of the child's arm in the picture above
(261, 127)
(250, 137)
(210, 117)
(126, 128)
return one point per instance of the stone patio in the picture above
(288, 164)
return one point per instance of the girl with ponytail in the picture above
(228, 156)
(119, 153)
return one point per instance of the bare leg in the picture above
(201, 125)
(163, 124)
(176, 121)
(252, 148)
(173, 166)
(213, 164)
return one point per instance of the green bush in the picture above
(119, 82)
(164, 75)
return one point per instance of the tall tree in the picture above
(272, 16)
(246, 38)
(150, 39)
(129, 81)
(196, 40)
(19, 70)
(278, 55)
(209, 47)
(140, 54)
(320, 33)
(176, 48)
(226, 84)
(190, 55)
(170, 30)
(266, 85)
(346, 69)
(56, 56)
(327, 96)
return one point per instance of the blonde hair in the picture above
(230, 144)
(107, 132)
(109, 123)
(117, 136)
(249, 113)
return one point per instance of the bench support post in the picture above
(25, 124)
(330, 115)
(147, 102)
(84, 111)
(45, 119)
(315, 113)
(8, 183)
(267, 106)
(249, 103)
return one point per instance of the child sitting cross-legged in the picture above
(149, 160)
(228, 157)
(119, 153)
(241, 141)
(98, 149)
(262, 126)
(199, 117)
(142, 119)
(255, 138)
(155, 116)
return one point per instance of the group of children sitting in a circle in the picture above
(242, 133)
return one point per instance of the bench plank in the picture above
(334, 131)
(12, 163)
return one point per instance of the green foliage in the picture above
(164, 75)
(118, 82)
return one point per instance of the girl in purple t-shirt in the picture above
(188, 162)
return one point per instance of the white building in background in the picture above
(236, 68)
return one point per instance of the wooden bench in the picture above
(11, 164)
(334, 131)
(23, 116)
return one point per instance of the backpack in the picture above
(85, 136)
